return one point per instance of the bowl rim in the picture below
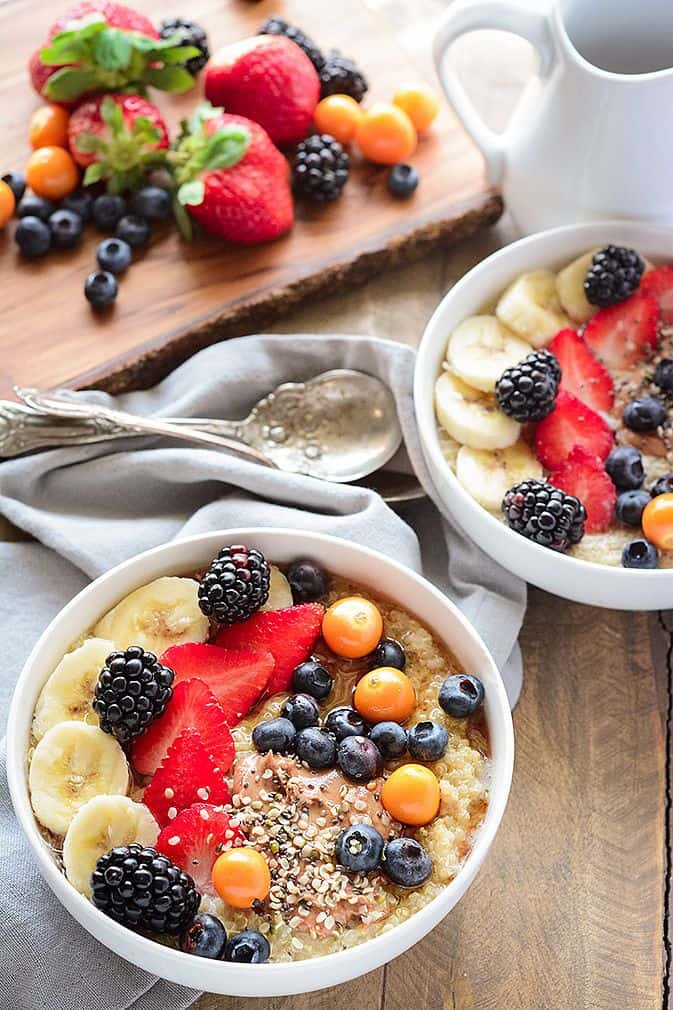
(424, 398)
(373, 949)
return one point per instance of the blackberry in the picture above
(192, 35)
(613, 276)
(136, 886)
(278, 26)
(544, 514)
(235, 586)
(527, 391)
(320, 168)
(133, 689)
(339, 75)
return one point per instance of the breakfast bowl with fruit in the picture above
(259, 762)
(544, 398)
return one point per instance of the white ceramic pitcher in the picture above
(595, 139)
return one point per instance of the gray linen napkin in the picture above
(91, 507)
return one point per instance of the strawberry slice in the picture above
(195, 839)
(585, 477)
(187, 775)
(570, 424)
(582, 373)
(289, 635)
(659, 284)
(192, 706)
(623, 334)
(236, 678)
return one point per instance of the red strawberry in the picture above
(192, 706)
(582, 373)
(243, 194)
(269, 79)
(196, 838)
(585, 477)
(289, 635)
(237, 679)
(186, 775)
(114, 14)
(659, 284)
(623, 334)
(571, 424)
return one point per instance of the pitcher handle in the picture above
(471, 15)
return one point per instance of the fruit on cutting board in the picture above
(386, 134)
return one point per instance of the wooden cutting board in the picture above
(179, 298)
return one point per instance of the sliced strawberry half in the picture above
(624, 334)
(237, 678)
(187, 775)
(571, 424)
(196, 838)
(289, 635)
(192, 706)
(659, 284)
(585, 477)
(582, 373)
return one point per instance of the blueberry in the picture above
(644, 414)
(402, 180)
(248, 947)
(359, 848)
(359, 758)
(33, 237)
(35, 206)
(151, 202)
(624, 466)
(316, 747)
(80, 202)
(302, 711)
(406, 862)
(277, 735)
(312, 678)
(390, 738)
(16, 183)
(630, 505)
(427, 741)
(388, 653)
(307, 580)
(662, 486)
(640, 553)
(101, 289)
(663, 375)
(107, 211)
(133, 229)
(205, 936)
(461, 695)
(114, 254)
(345, 721)
(66, 228)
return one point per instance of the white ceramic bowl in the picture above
(182, 557)
(586, 582)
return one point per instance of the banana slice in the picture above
(163, 613)
(67, 695)
(71, 763)
(531, 307)
(280, 594)
(471, 417)
(100, 825)
(570, 288)
(481, 348)
(489, 475)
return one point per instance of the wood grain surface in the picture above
(182, 297)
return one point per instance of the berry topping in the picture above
(133, 229)
(66, 229)
(582, 373)
(133, 689)
(657, 521)
(151, 202)
(584, 477)
(624, 466)
(388, 653)
(461, 695)
(613, 276)
(205, 937)
(114, 254)
(277, 735)
(278, 26)
(308, 581)
(527, 391)
(644, 414)
(569, 425)
(340, 76)
(247, 947)
(100, 289)
(662, 486)
(663, 375)
(411, 794)
(312, 678)
(187, 775)
(235, 586)
(196, 838)
(427, 741)
(359, 848)
(316, 747)
(630, 506)
(659, 284)
(624, 334)
(241, 877)
(107, 211)
(359, 758)
(140, 888)
(352, 627)
(390, 738)
(33, 237)
(544, 514)
(385, 694)
(191, 34)
(406, 862)
(402, 180)
(344, 721)
(302, 711)
(640, 553)
(319, 168)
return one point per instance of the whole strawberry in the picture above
(268, 79)
(118, 139)
(231, 179)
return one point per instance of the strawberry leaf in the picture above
(88, 143)
(173, 79)
(201, 113)
(112, 49)
(191, 193)
(183, 220)
(94, 173)
(179, 55)
(68, 84)
(226, 148)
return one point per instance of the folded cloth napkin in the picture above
(91, 507)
